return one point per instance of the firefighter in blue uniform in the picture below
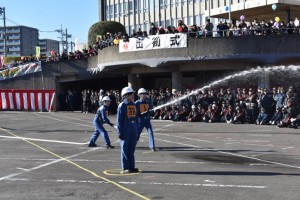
(127, 130)
(99, 119)
(143, 106)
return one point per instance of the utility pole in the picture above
(2, 12)
(67, 45)
(209, 3)
(229, 12)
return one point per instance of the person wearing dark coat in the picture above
(277, 117)
(153, 29)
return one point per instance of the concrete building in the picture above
(20, 40)
(134, 14)
(48, 45)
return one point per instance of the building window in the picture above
(145, 5)
(151, 4)
(136, 2)
(168, 23)
(121, 8)
(172, 3)
(111, 11)
(116, 10)
(107, 12)
(125, 8)
(130, 6)
(190, 20)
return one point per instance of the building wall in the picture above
(134, 14)
(21, 41)
(29, 40)
(48, 45)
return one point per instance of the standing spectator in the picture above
(229, 97)
(153, 29)
(70, 101)
(208, 28)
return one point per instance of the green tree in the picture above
(102, 28)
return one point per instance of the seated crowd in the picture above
(261, 107)
(236, 106)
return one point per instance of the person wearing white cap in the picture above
(143, 106)
(100, 119)
(127, 130)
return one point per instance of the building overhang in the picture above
(260, 10)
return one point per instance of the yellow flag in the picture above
(37, 52)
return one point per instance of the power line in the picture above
(12, 21)
(47, 31)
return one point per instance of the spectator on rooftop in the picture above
(153, 29)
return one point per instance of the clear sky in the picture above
(48, 15)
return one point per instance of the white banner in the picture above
(20, 70)
(164, 41)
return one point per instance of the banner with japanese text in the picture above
(20, 70)
(164, 41)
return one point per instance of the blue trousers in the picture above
(145, 123)
(99, 129)
(128, 148)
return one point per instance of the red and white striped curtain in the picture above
(26, 99)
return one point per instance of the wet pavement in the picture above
(45, 156)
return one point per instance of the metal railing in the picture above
(244, 32)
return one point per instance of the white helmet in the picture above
(106, 98)
(126, 90)
(142, 91)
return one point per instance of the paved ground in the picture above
(51, 160)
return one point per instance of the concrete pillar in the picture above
(177, 80)
(132, 81)
(288, 15)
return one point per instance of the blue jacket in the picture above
(101, 115)
(143, 106)
(263, 117)
(127, 118)
(277, 116)
(279, 98)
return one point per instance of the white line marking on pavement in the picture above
(150, 183)
(112, 161)
(233, 143)
(255, 164)
(184, 137)
(9, 176)
(209, 181)
(71, 118)
(288, 148)
(47, 164)
(228, 153)
(62, 120)
(144, 132)
(22, 169)
(260, 145)
(43, 140)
